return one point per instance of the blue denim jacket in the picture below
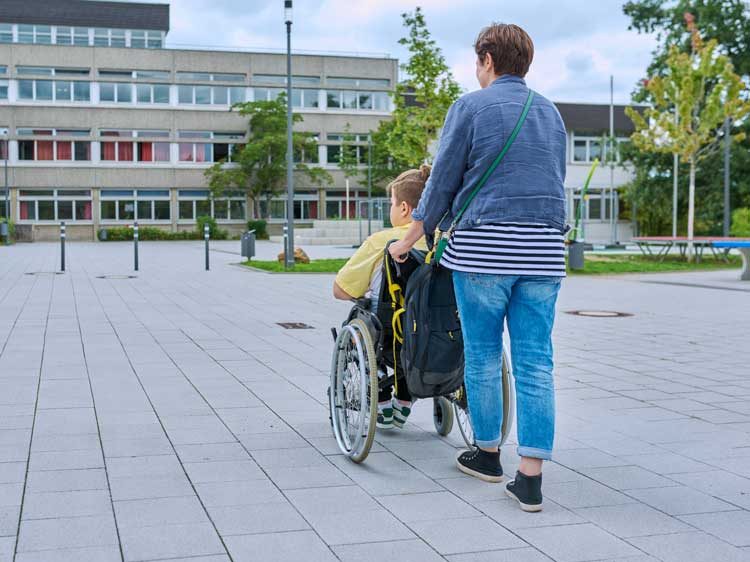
(527, 186)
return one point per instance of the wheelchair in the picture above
(365, 360)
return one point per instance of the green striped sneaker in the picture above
(401, 411)
(385, 416)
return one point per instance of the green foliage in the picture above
(691, 101)
(348, 162)
(260, 227)
(259, 167)
(597, 264)
(213, 228)
(726, 21)
(315, 266)
(11, 230)
(404, 141)
(147, 233)
(741, 223)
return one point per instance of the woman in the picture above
(506, 252)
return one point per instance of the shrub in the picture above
(146, 233)
(213, 228)
(741, 223)
(260, 227)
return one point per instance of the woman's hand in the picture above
(399, 250)
(401, 247)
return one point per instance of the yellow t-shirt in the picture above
(362, 272)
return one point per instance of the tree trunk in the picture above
(691, 211)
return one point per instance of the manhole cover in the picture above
(44, 273)
(117, 277)
(294, 326)
(599, 313)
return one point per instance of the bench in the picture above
(663, 244)
(744, 248)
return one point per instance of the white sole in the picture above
(480, 475)
(528, 508)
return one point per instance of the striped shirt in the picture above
(507, 249)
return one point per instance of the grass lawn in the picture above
(596, 264)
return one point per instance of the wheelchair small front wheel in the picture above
(442, 415)
(353, 395)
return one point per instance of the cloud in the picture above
(578, 43)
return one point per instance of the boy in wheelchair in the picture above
(362, 278)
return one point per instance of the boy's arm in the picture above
(353, 280)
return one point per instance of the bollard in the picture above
(286, 246)
(135, 246)
(205, 236)
(62, 246)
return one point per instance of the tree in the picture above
(259, 167)
(705, 91)
(727, 21)
(420, 101)
(348, 161)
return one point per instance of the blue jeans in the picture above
(485, 301)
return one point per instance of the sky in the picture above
(578, 43)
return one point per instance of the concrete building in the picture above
(105, 125)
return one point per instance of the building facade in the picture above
(102, 125)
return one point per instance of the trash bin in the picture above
(103, 235)
(3, 229)
(575, 255)
(247, 244)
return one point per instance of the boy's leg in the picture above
(385, 408)
(402, 402)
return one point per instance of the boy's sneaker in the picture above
(385, 416)
(401, 411)
(481, 464)
(527, 491)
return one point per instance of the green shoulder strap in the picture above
(443, 242)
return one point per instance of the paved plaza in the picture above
(169, 417)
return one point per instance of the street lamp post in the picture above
(289, 250)
(7, 190)
(369, 185)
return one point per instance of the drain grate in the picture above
(42, 273)
(294, 325)
(117, 277)
(599, 313)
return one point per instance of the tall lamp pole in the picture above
(369, 184)
(7, 189)
(727, 142)
(289, 250)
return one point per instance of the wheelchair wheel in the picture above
(353, 397)
(442, 415)
(461, 407)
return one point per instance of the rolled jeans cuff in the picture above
(494, 444)
(533, 453)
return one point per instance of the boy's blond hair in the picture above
(408, 186)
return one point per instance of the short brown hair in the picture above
(408, 186)
(511, 48)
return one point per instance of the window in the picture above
(209, 77)
(226, 150)
(3, 89)
(63, 147)
(266, 94)
(6, 33)
(195, 203)
(349, 99)
(357, 142)
(138, 39)
(281, 79)
(143, 205)
(152, 93)
(101, 37)
(305, 207)
(117, 38)
(205, 151)
(72, 36)
(210, 95)
(305, 98)
(366, 82)
(54, 205)
(129, 150)
(224, 77)
(116, 92)
(41, 34)
(3, 148)
(153, 39)
(53, 90)
(160, 74)
(586, 149)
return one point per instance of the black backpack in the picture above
(432, 352)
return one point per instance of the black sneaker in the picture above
(481, 464)
(527, 491)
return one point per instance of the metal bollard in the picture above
(205, 236)
(62, 246)
(135, 246)
(286, 246)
